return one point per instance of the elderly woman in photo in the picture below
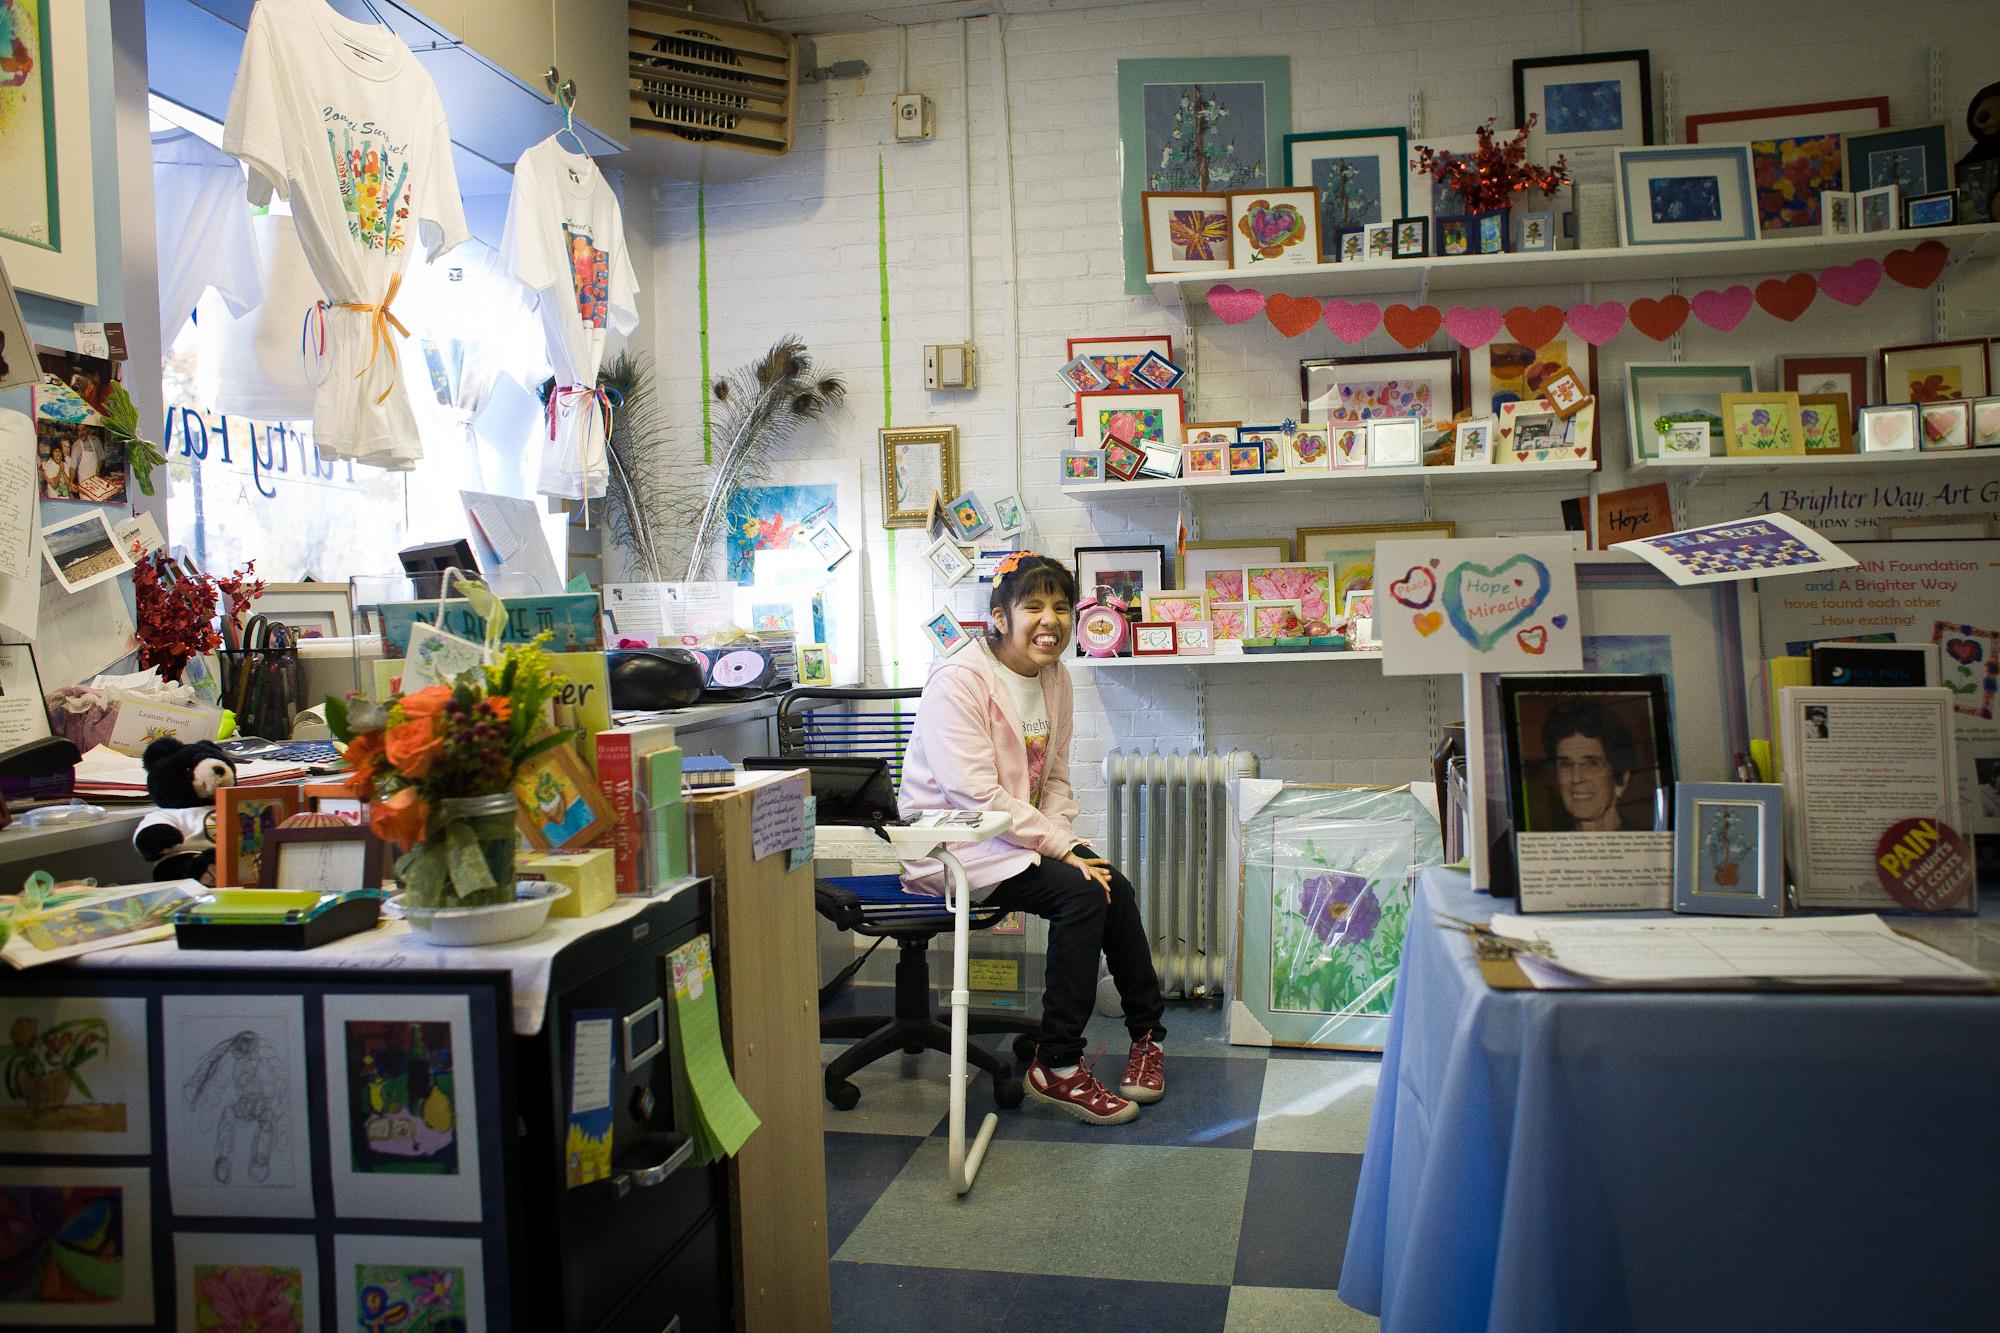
(1592, 757)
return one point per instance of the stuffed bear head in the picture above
(179, 776)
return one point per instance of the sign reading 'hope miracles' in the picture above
(1498, 604)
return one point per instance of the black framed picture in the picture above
(1598, 101)
(1588, 753)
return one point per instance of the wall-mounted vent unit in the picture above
(712, 98)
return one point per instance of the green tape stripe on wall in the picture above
(888, 416)
(701, 287)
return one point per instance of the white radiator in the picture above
(1168, 816)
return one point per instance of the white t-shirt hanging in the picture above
(340, 120)
(565, 242)
(203, 229)
(251, 366)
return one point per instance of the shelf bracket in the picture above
(1674, 343)
(1936, 90)
(1416, 113)
(1667, 107)
(1424, 285)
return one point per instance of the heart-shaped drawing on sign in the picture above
(1535, 327)
(1271, 227)
(1291, 315)
(1427, 622)
(1965, 652)
(1233, 305)
(1351, 322)
(1472, 326)
(1560, 621)
(1533, 640)
(1597, 324)
(1661, 319)
(1723, 310)
(1919, 267)
(1789, 298)
(1415, 589)
(1851, 284)
(1411, 328)
(1485, 604)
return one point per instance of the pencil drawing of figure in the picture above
(239, 1084)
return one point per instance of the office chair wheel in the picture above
(1025, 1047)
(844, 1096)
(1008, 1093)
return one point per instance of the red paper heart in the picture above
(1535, 327)
(1412, 328)
(1661, 319)
(1291, 315)
(1788, 298)
(1919, 267)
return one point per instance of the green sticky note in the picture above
(801, 856)
(667, 843)
(727, 1116)
(663, 776)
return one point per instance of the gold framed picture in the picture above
(1350, 549)
(918, 462)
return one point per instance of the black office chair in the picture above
(876, 905)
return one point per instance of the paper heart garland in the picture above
(1851, 284)
(1351, 323)
(1787, 298)
(1291, 315)
(1536, 327)
(1919, 267)
(1472, 326)
(1661, 319)
(1508, 595)
(1597, 324)
(1725, 309)
(1233, 305)
(1411, 328)
(1415, 589)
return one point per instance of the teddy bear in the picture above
(179, 838)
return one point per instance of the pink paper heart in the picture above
(1472, 326)
(1725, 309)
(1851, 284)
(1352, 322)
(1597, 324)
(1233, 305)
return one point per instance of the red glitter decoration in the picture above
(1494, 173)
(177, 610)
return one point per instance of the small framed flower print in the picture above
(1171, 604)
(1226, 619)
(1348, 444)
(1273, 229)
(968, 516)
(1082, 466)
(1186, 233)
(1272, 620)
(1826, 420)
(947, 636)
(1757, 424)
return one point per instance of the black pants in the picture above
(1082, 925)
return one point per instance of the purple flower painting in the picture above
(1339, 908)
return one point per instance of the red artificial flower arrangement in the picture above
(177, 610)
(1494, 173)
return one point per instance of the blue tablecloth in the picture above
(1546, 1161)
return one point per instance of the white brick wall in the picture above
(794, 250)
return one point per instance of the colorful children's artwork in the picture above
(1197, 234)
(1766, 423)
(404, 1117)
(237, 1137)
(1220, 434)
(73, 1075)
(1008, 516)
(76, 1246)
(1273, 225)
(1823, 423)
(559, 803)
(814, 669)
(1970, 658)
(228, 1283)
(574, 620)
(1353, 245)
(968, 516)
(243, 816)
(1206, 460)
(1454, 236)
(1082, 375)
(1310, 585)
(592, 1075)
(1146, 425)
(1308, 449)
(947, 636)
(1748, 548)
(1791, 175)
(1082, 465)
(1476, 606)
(79, 921)
(1273, 620)
(1227, 620)
(1246, 458)
(409, 1284)
(1361, 399)
(773, 518)
(1349, 444)
(1157, 372)
(1172, 604)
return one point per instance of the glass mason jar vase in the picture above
(490, 820)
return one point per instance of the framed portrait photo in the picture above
(1357, 176)
(1186, 233)
(918, 462)
(1599, 100)
(1729, 849)
(1686, 194)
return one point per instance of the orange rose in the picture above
(427, 702)
(399, 818)
(501, 707)
(364, 752)
(413, 746)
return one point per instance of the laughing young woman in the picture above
(993, 733)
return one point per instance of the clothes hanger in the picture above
(563, 94)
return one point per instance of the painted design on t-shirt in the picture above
(375, 188)
(590, 274)
(1036, 739)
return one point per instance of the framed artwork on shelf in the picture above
(967, 516)
(1160, 460)
(1273, 229)
(1346, 389)
(1686, 439)
(1686, 194)
(1227, 620)
(1082, 375)
(244, 820)
(1565, 393)
(559, 803)
(1194, 638)
(918, 462)
(322, 860)
(1985, 422)
(1761, 424)
(1216, 568)
(1929, 210)
(1932, 372)
(1490, 231)
(1599, 100)
(310, 610)
(1533, 432)
(1082, 466)
(1308, 584)
(1413, 238)
(1946, 425)
(1008, 516)
(1307, 449)
(1351, 245)
(1814, 375)
(1186, 233)
(1122, 460)
(1155, 417)
(1273, 619)
(1205, 460)
(1395, 442)
(1379, 238)
(1348, 443)
(48, 222)
(1425, 195)
(1270, 440)
(1836, 213)
(1916, 159)
(1878, 210)
(1889, 428)
(1538, 232)
(1171, 604)
(1157, 372)
(1504, 371)
(1472, 444)
(1151, 638)
(1798, 153)
(1660, 395)
(1826, 423)
(1246, 459)
(1116, 360)
(1209, 432)
(1357, 176)
(1350, 549)
(1729, 854)
(1193, 124)
(1454, 236)
(1125, 572)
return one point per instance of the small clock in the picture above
(1102, 627)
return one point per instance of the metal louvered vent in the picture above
(711, 85)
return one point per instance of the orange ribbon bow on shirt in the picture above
(382, 320)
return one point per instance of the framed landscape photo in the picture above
(1599, 100)
(1661, 395)
(1186, 233)
(918, 462)
(1356, 175)
(1685, 195)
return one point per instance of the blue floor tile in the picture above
(1210, 1103)
(858, 1168)
(1295, 1220)
(1159, 1307)
(872, 1298)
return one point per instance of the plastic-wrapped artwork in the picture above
(1328, 872)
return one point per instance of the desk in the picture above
(1543, 1161)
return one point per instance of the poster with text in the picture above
(1487, 605)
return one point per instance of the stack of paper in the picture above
(106, 774)
(707, 1105)
(1693, 953)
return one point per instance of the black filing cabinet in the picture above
(646, 1250)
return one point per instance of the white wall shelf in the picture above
(1223, 659)
(1252, 485)
(1694, 467)
(1616, 264)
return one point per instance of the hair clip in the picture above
(1008, 564)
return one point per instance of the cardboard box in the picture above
(591, 874)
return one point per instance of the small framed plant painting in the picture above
(1729, 849)
(1761, 424)
(1082, 466)
(1836, 213)
(968, 516)
(1352, 245)
(1473, 445)
(815, 668)
(1492, 231)
(1153, 639)
(1186, 233)
(1454, 236)
(557, 803)
(1946, 425)
(1878, 209)
(1916, 159)
(1889, 429)
(1273, 229)
(1381, 241)
(1413, 238)
(1194, 638)
(946, 635)
(948, 561)
(1932, 372)
(1205, 460)
(1826, 423)
(1538, 231)
(1245, 459)
(1307, 449)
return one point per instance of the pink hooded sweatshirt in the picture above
(966, 753)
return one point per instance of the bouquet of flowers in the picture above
(436, 764)
(177, 610)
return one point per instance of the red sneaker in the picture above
(1080, 1094)
(1145, 1078)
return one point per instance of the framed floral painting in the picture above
(1797, 153)
(1186, 233)
(1216, 568)
(1310, 585)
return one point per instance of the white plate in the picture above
(464, 927)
